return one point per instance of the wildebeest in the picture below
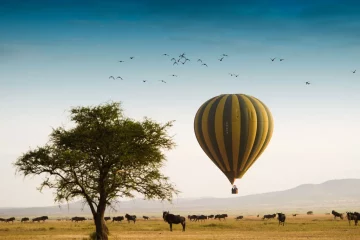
(192, 217)
(174, 219)
(25, 219)
(239, 217)
(38, 219)
(211, 216)
(107, 218)
(117, 219)
(12, 219)
(220, 216)
(130, 218)
(2, 219)
(310, 213)
(269, 216)
(78, 219)
(281, 218)
(336, 214)
(294, 215)
(145, 217)
(353, 216)
(201, 218)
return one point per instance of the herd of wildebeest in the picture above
(177, 219)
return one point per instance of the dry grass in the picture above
(300, 227)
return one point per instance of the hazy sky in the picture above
(54, 56)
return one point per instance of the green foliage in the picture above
(83, 162)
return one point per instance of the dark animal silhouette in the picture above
(119, 77)
(281, 59)
(38, 219)
(204, 64)
(117, 219)
(107, 219)
(211, 216)
(192, 217)
(12, 219)
(310, 213)
(221, 216)
(25, 219)
(281, 218)
(354, 71)
(112, 77)
(269, 216)
(294, 215)
(78, 219)
(239, 217)
(200, 218)
(174, 219)
(146, 217)
(272, 59)
(221, 59)
(307, 83)
(353, 216)
(2, 219)
(130, 218)
(336, 214)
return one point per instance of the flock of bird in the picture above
(182, 59)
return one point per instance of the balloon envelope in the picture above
(233, 130)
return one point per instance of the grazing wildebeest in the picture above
(107, 219)
(353, 216)
(38, 219)
(12, 219)
(258, 215)
(2, 219)
(220, 216)
(200, 218)
(174, 219)
(269, 216)
(239, 217)
(78, 219)
(336, 214)
(211, 216)
(130, 218)
(281, 218)
(146, 217)
(25, 219)
(294, 215)
(117, 219)
(310, 213)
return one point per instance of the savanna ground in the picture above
(299, 227)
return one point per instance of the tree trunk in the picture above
(102, 230)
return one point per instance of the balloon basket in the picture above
(234, 191)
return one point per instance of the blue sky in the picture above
(57, 55)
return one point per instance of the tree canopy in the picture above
(103, 157)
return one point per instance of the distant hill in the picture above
(341, 195)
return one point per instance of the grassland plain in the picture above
(300, 227)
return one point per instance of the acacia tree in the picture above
(104, 157)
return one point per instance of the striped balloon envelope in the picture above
(233, 130)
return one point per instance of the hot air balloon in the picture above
(233, 130)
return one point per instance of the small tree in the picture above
(105, 156)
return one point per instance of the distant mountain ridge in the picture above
(341, 195)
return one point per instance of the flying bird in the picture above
(182, 55)
(174, 75)
(354, 71)
(144, 80)
(236, 75)
(173, 59)
(225, 55)
(131, 57)
(307, 83)
(112, 77)
(121, 61)
(272, 59)
(162, 81)
(281, 59)
(221, 59)
(204, 64)
(120, 78)
(175, 63)
(199, 60)
(165, 54)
